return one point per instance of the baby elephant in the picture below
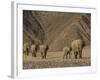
(66, 52)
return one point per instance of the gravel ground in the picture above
(54, 60)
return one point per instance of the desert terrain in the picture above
(55, 59)
(57, 30)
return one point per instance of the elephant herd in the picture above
(75, 48)
(34, 48)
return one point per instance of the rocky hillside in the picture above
(32, 30)
(57, 29)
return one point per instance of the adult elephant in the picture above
(43, 51)
(33, 50)
(77, 46)
(26, 48)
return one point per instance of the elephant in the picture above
(43, 50)
(77, 46)
(33, 50)
(26, 48)
(66, 52)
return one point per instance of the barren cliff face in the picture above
(32, 30)
(57, 29)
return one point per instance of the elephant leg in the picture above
(45, 54)
(64, 55)
(69, 55)
(76, 53)
(42, 55)
(24, 52)
(27, 52)
(75, 56)
(80, 54)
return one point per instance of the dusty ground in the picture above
(54, 59)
